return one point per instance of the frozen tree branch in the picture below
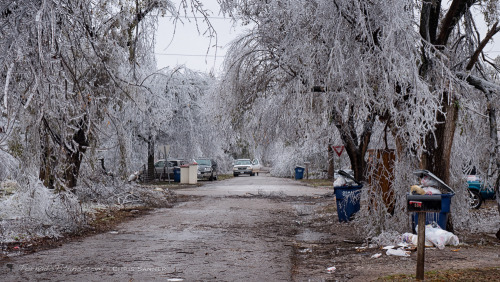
(494, 30)
(456, 11)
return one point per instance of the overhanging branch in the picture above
(479, 83)
(494, 30)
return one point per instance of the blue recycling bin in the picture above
(299, 172)
(440, 218)
(177, 174)
(348, 201)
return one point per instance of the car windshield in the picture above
(243, 162)
(203, 162)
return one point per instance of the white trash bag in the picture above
(439, 237)
(339, 182)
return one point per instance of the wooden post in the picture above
(421, 246)
(331, 168)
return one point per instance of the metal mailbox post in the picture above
(422, 204)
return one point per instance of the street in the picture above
(232, 230)
(246, 228)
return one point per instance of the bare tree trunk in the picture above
(355, 146)
(71, 160)
(74, 158)
(47, 162)
(439, 143)
(151, 159)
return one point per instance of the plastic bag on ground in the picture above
(439, 237)
(413, 239)
(398, 252)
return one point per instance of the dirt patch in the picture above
(474, 274)
(335, 245)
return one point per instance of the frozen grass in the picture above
(33, 211)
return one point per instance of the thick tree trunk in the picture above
(358, 163)
(439, 143)
(355, 146)
(74, 158)
(66, 168)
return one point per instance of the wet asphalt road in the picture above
(232, 230)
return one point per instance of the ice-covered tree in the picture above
(69, 65)
(176, 112)
(411, 65)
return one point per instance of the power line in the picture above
(191, 17)
(189, 55)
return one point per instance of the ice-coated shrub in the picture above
(35, 211)
(8, 166)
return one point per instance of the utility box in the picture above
(184, 174)
(189, 174)
(193, 174)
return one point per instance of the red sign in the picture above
(338, 150)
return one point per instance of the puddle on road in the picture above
(307, 211)
(309, 236)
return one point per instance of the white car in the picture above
(245, 166)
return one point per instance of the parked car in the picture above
(207, 168)
(243, 166)
(256, 166)
(164, 169)
(479, 191)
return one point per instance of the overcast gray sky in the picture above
(189, 47)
